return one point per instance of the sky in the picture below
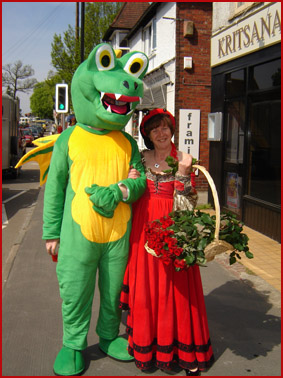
(27, 33)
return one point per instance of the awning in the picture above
(155, 89)
(155, 97)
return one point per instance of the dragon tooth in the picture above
(117, 96)
(109, 109)
(102, 95)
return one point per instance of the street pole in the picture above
(77, 21)
(82, 30)
(63, 121)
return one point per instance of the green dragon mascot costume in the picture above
(84, 207)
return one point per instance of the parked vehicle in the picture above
(34, 131)
(41, 122)
(40, 129)
(28, 136)
(13, 142)
(23, 125)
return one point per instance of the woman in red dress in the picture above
(167, 322)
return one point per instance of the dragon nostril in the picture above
(126, 84)
(136, 85)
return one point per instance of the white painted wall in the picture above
(226, 13)
(221, 13)
(164, 53)
(165, 37)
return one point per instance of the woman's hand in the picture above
(133, 173)
(185, 165)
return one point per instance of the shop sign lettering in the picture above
(257, 31)
(189, 131)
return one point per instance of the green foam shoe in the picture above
(116, 348)
(69, 362)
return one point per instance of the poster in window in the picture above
(232, 190)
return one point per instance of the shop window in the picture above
(235, 83)
(265, 76)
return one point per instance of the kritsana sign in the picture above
(259, 30)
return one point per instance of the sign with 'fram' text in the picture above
(189, 131)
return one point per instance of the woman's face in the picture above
(161, 135)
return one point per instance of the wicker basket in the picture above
(217, 246)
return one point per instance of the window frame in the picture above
(149, 43)
(237, 10)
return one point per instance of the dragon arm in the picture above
(136, 187)
(105, 199)
(55, 189)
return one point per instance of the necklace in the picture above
(156, 165)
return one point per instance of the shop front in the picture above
(246, 90)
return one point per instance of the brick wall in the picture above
(193, 87)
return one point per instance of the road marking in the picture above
(15, 196)
(4, 217)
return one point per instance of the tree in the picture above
(98, 18)
(65, 52)
(16, 78)
(41, 101)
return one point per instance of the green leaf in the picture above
(206, 218)
(200, 260)
(232, 260)
(195, 161)
(238, 246)
(190, 258)
(249, 254)
(202, 244)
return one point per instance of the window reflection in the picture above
(266, 75)
(264, 181)
(234, 151)
(235, 83)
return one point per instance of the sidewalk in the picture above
(267, 256)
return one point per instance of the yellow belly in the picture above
(101, 160)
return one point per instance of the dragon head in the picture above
(106, 89)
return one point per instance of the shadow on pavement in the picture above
(239, 320)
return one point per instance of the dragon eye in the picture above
(136, 65)
(105, 59)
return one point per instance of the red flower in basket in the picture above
(186, 238)
(162, 243)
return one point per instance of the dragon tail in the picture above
(41, 154)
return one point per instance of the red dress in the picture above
(167, 320)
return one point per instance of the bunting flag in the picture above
(41, 154)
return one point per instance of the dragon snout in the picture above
(126, 84)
